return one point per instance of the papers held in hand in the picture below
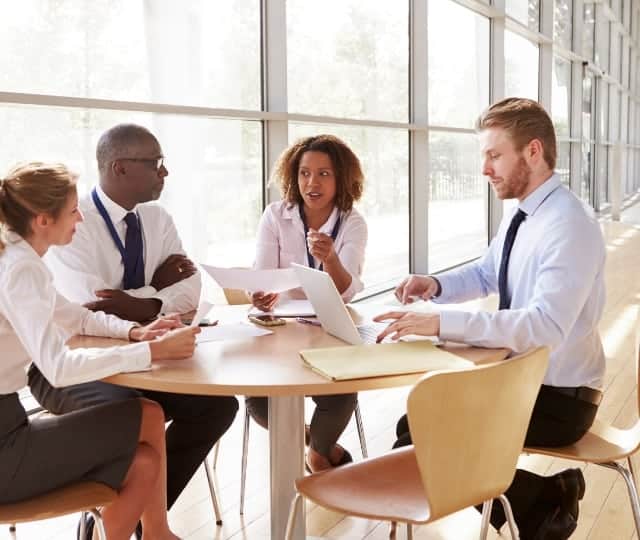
(364, 361)
(275, 281)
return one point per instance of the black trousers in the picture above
(557, 420)
(197, 422)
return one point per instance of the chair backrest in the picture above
(468, 428)
(236, 296)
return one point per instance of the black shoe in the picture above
(571, 486)
(88, 527)
(557, 525)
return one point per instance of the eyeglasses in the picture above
(157, 163)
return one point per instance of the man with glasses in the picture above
(127, 259)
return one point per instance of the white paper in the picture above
(286, 307)
(201, 312)
(269, 281)
(231, 331)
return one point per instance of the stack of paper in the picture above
(364, 361)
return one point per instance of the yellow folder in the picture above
(378, 360)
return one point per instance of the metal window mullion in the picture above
(546, 55)
(418, 139)
(577, 75)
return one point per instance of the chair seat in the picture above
(67, 500)
(387, 487)
(603, 443)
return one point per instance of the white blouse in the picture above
(281, 241)
(35, 323)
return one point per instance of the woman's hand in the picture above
(175, 344)
(264, 301)
(156, 329)
(320, 245)
(409, 323)
(411, 287)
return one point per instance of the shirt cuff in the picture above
(137, 357)
(452, 325)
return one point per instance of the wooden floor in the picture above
(604, 513)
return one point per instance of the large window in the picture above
(521, 58)
(526, 12)
(459, 91)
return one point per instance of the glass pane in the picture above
(562, 27)
(601, 174)
(602, 49)
(458, 64)
(521, 66)
(588, 131)
(587, 167)
(563, 163)
(457, 200)
(196, 53)
(615, 57)
(561, 95)
(588, 30)
(603, 105)
(348, 58)
(525, 11)
(614, 115)
(384, 155)
(219, 161)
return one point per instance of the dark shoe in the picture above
(139, 531)
(346, 458)
(88, 527)
(571, 485)
(558, 525)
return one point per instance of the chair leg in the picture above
(12, 527)
(409, 532)
(393, 529)
(627, 475)
(98, 524)
(245, 450)
(513, 527)
(83, 522)
(363, 441)
(486, 515)
(212, 492)
(216, 450)
(293, 513)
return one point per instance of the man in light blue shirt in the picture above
(547, 264)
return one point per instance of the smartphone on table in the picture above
(266, 320)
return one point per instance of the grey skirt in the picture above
(42, 454)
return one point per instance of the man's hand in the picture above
(409, 323)
(175, 268)
(125, 306)
(424, 286)
(264, 301)
(156, 329)
(320, 245)
(175, 344)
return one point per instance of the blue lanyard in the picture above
(108, 222)
(334, 235)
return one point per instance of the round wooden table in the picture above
(269, 366)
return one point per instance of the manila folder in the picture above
(378, 360)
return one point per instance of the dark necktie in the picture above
(505, 299)
(133, 262)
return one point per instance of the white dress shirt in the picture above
(281, 241)
(35, 322)
(556, 280)
(92, 260)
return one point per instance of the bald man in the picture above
(126, 258)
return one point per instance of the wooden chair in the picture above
(81, 497)
(606, 445)
(468, 428)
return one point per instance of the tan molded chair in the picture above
(606, 445)
(81, 497)
(468, 429)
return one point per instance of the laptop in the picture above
(330, 309)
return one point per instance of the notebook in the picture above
(364, 361)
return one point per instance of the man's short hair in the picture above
(117, 143)
(524, 120)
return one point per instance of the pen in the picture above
(308, 321)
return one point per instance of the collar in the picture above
(292, 211)
(535, 199)
(115, 211)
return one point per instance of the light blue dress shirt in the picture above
(556, 280)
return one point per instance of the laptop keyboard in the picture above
(369, 332)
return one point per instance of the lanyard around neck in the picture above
(334, 235)
(108, 222)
